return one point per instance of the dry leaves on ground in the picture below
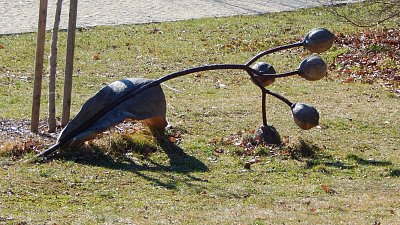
(328, 189)
(373, 57)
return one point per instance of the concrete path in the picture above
(19, 16)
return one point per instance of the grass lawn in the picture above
(346, 171)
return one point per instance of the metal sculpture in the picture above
(143, 99)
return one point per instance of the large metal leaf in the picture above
(147, 104)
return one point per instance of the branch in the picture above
(378, 12)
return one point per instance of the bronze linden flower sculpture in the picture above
(143, 99)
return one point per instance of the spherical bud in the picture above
(305, 116)
(313, 68)
(318, 40)
(264, 68)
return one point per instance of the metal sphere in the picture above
(318, 40)
(264, 68)
(305, 116)
(313, 68)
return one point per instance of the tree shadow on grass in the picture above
(179, 162)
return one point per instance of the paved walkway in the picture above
(19, 16)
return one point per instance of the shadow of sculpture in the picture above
(368, 162)
(179, 162)
(315, 156)
(394, 173)
(316, 159)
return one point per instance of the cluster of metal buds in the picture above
(262, 74)
(312, 68)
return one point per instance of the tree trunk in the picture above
(53, 70)
(69, 64)
(37, 86)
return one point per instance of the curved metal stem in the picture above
(282, 74)
(263, 89)
(261, 54)
(280, 97)
(207, 68)
(50, 150)
(264, 108)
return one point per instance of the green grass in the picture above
(133, 179)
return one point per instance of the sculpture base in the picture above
(269, 135)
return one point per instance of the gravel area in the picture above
(21, 16)
(16, 134)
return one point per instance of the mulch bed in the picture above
(15, 135)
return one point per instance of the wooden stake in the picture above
(37, 85)
(53, 69)
(69, 64)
